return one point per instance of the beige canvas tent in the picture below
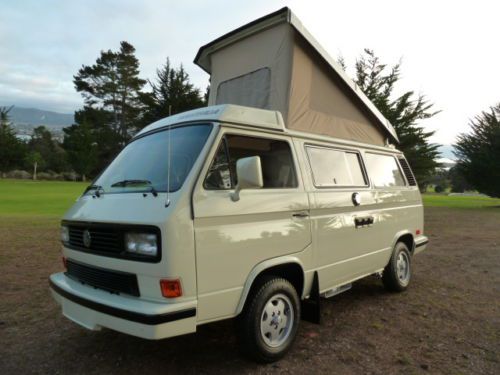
(274, 63)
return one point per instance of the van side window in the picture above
(335, 168)
(384, 170)
(278, 168)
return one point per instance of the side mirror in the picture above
(249, 172)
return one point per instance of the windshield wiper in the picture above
(123, 183)
(97, 188)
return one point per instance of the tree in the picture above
(457, 180)
(81, 146)
(404, 112)
(11, 148)
(50, 150)
(440, 179)
(35, 159)
(113, 85)
(478, 152)
(171, 93)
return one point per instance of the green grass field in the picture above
(20, 198)
(24, 198)
(460, 201)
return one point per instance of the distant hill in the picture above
(32, 117)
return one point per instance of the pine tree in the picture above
(11, 149)
(404, 112)
(479, 153)
(49, 149)
(113, 85)
(172, 93)
(82, 148)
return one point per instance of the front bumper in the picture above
(421, 244)
(93, 309)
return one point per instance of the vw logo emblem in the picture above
(87, 239)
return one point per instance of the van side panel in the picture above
(342, 251)
(233, 237)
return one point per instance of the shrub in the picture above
(69, 176)
(18, 174)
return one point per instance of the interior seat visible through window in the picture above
(278, 169)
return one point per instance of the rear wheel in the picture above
(268, 325)
(397, 273)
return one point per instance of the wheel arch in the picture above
(407, 238)
(288, 267)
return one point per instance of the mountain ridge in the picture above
(32, 117)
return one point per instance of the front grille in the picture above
(112, 281)
(407, 171)
(107, 240)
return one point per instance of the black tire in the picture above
(253, 344)
(394, 280)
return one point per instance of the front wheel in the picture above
(268, 325)
(397, 274)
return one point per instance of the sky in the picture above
(449, 49)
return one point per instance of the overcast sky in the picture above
(449, 49)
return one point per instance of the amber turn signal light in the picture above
(171, 288)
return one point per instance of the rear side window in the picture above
(335, 168)
(252, 89)
(384, 170)
(278, 168)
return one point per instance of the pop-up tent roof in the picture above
(275, 63)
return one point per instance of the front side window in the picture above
(144, 163)
(276, 159)
(384, 170)
(335, 168)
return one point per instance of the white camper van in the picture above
(242, 211)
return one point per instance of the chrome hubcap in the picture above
(403, 268)
(276, 320)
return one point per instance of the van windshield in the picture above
(143, 164)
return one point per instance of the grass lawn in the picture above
(26, 198)
(50, 199)
(459, 201)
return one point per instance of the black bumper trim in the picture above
(422, 243)
(125, 314)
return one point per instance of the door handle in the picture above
(300, 214)
(363, 221)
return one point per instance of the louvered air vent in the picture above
(407, 171)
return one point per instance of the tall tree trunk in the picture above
(34, 170)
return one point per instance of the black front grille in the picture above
(108, 239)
(407, 171)
(101, 239)
(112, 281)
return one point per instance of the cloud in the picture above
(448, 55)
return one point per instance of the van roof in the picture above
(263, 119)
(254, 117)
(285, 16)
